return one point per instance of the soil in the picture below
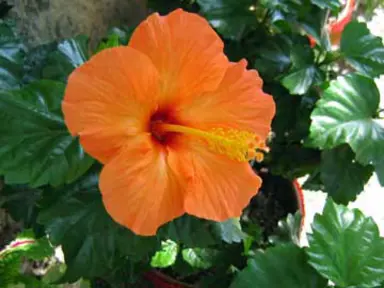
(274, 201)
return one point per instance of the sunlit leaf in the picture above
(362, 50)
(347, 113)
(345, 246)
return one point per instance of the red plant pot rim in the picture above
(301, 203)
(160, 280)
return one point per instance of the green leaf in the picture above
(380, 172)
(281, 266)
(304, 73)
(20, 201)
(11, 46)
(273, 57)
(35, 61)
(92, 242)
(11, 55)
(343, 178)
(347, 114)
(229, 17)
(115, 37)
(345, 246)
(30, 247)
(298, 82)
(288, 230)
(36, 147)
(362, 50)
(189, 231)
(229, 231)
(201, 258)
(10, 74)
(70, 54)
(166, 256)
(112, 41)
(330, 4)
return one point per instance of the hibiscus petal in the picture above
(140, 189)
(238, 102)
(220, 188)
(185, 49)
(109, 99)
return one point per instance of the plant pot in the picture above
(160, 280)
(277, 198)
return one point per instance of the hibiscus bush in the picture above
(139, 157)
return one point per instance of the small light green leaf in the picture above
(281, 266)
(201, 258)
(115, 37)
(343, 178)
(70, 54)
(35, 146)
(166, 256)
(346, 248)
(229, 17)
(362, 50)
(346, 113)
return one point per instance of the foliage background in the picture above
(62, 200)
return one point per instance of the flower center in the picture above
(238, 145)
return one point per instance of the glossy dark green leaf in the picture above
(10, 74)
(35, 146)
(362, 50)
(303, 73)
(380, 172)
(345, 246)
(201, 258)
(11, 55)
(70, 54)
(92, 242)
(342, 176)
(11, 46)
(166, 256)
(35, 61)
(20, 201)
(346, 113)
(189, 231)
(298, 82)
(273, 57)
(281, 266)
(229, 17)
(330, 4)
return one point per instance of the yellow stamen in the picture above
(236, 144)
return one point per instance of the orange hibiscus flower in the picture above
(173, 121)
